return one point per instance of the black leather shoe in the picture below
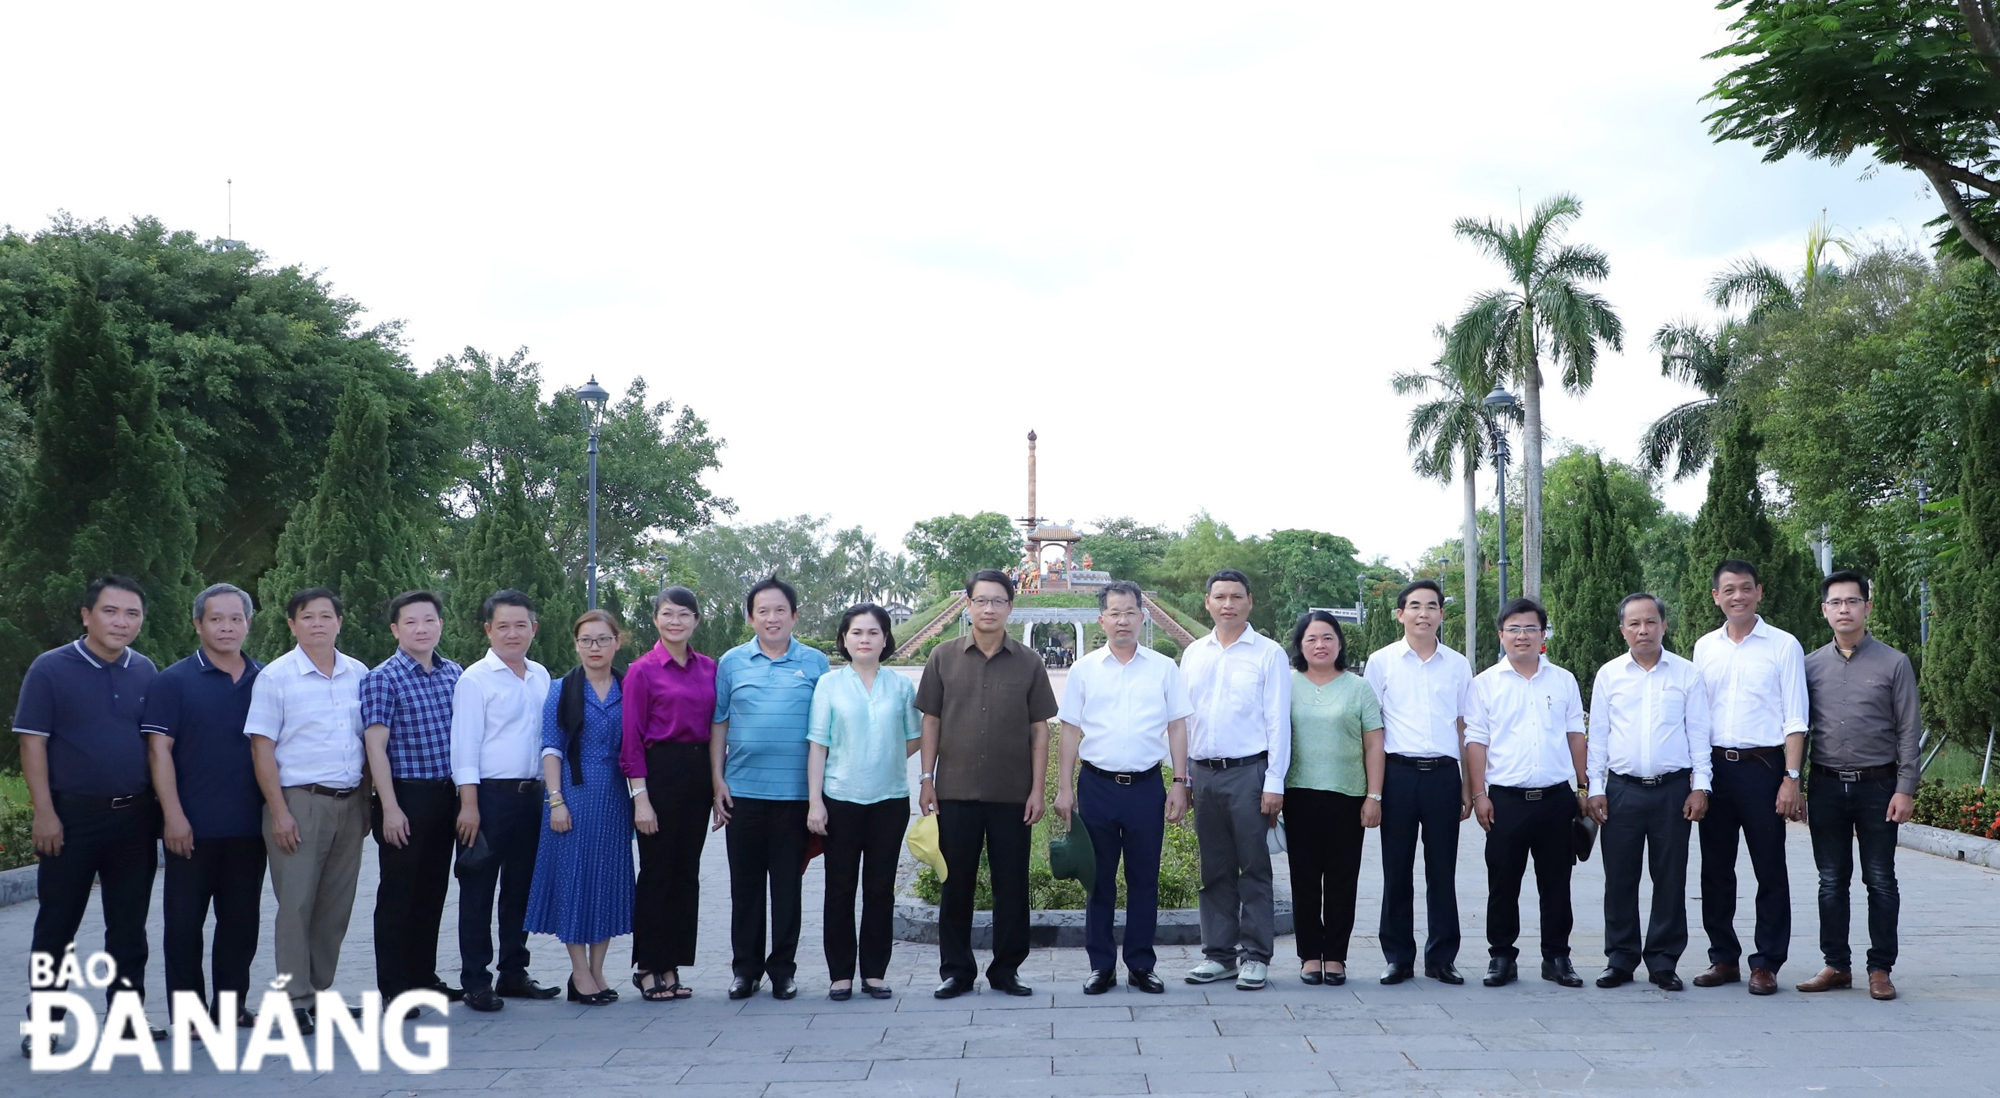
(838, 994)
(305, 1020)
(1336, 979)
(1396, 974)
(484, 1000)
(525, 988)
(1315, 977)
(740, 988)
(877, 991)
(1500, 973)
(952, 988)
(245, 1019)
(451, 994)
(1558, 970)
(1614, 977)
(785, 988)
(1444, 974)
(1147, 981)
(1012, 985)
(1101, 981)
(1666, 981)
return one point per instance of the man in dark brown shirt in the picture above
(986, 702)
(1863, 698)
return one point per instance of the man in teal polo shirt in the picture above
(763, 704)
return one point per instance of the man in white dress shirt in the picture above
(1523, 747)
(1124, 711)
(1755, 674)
(496, 761)
(1422, 685)
(1240, 741)
(305, 742)
(1649, 769)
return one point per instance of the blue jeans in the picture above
(1843, 815)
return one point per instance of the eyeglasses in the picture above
(988, 604)
(1522, 630)
(677, 619)
(1121, 615)
(596, 642)
(1845, 604)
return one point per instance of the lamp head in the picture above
(1499, 399)
(593, 396)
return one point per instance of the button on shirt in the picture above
(313, 719)
(1525, 724)
(415, 706)
(89, 710)
(1756, 686)
(866, 732)
(768, 704)
(986, 709)
(1123, 709)
(202, 710)
(496, 722)
(1242, 696)
(1647, 723)
(1864, 709)
(1422, 699)
(665, 701)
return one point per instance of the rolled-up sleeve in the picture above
(1909, 726)
(1792, 683)
(1277, 719)
(468, 727)
(1700, 732)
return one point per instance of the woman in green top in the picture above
(863, 729)
(1333, 792)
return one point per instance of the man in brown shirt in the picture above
(1863, 699)
(986, 702)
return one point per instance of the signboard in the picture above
(1346, 615)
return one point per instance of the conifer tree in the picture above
(1961, 674)
(1733, 524)
(1595, 567)
(350, 536)
(507, 545)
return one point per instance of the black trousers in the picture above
(511, 819)
(1844, 815)
(1416, 800)
(1523, 830)
(1323, 835)
(116, 848)
(1125, 822)
(1744, 802)
(964, 827)
(227, 874)
(666, 903)
(863, 844)
(416, 879)
(767, 848)
(1645, 822)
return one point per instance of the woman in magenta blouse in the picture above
(669, 701)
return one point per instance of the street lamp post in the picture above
(593, 397)
(1498, 402)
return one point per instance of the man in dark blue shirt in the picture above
(84, 760)
(208, 794)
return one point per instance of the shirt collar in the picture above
(492, 662)
(792, 647)
(1246, 637)
(403, 659)
(667, 658)
(1541, 665)
(307, 667)
(972, 643)
(201, 660)
(82, 649)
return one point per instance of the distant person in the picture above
(207, 786)
(1865, 762)
(1755, 675)
(986, 704)
(1523, 747)
(1424, 687)
(1240, 742)
(757, 759)
(304, 729)
(1333, 793)
(669, 706)
(863, 728)
(1650, 773)
(1124, 712)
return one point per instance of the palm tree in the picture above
(1545, 305)
(1454, 427)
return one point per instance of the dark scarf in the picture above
(569, 716)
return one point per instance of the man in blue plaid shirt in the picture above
(406, 711)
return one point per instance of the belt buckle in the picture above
(1122, 779)
(125, 801)
(1848, 775)
(1651, 781)
(1532, 794)
(1731, 754)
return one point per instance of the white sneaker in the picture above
(1209, 972)
(1253, 977)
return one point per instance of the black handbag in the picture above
(472, 859)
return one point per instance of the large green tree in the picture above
(1126, 548)
(1594, 568)
(1734, 525)
(1546, 310)
(1961, 674)
(1307, 568)
(507, 546)
(952, 547)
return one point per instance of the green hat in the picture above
(1072, 857)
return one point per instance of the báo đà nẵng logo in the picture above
(275, 1037)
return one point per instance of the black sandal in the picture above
(677, 990)
(658, 993)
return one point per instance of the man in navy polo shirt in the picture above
(208, 794)
(84, 759)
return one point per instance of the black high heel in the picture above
(595, 998)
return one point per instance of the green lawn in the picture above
(1959, 765)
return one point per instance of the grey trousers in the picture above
(315, 887)
(1236, 912)
(1645, 829)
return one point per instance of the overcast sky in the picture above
(1185, 243)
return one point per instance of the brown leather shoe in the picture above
(1829, 979)
(1879, 986)
(1763, 982)
(1718, 975)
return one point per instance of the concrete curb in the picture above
(916, 921)
(1957, 846)
(18, 886)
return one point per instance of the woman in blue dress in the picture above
(582, 891)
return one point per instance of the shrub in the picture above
(17, 841)
(1965, 807)
(1165, 646)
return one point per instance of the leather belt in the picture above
(513, 785)
(1658, 779)
(1422, 762)
(1122, 777)
(1527, 794)
(92, 800)
(1738, 754)
(330, 791)
(1225, 764)
(1865, 774)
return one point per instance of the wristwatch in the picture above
(932, 776)
(1792, 774)
(1375, 796)
(1181, 779)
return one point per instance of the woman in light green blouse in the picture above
(1333, 793)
